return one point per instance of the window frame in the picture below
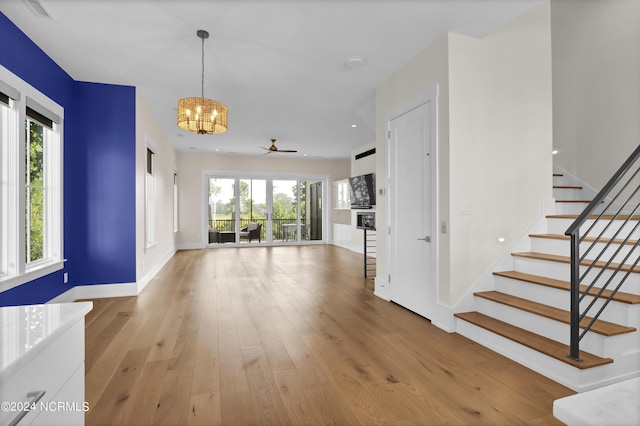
(175, 202)
(14, 268)
(150, 206)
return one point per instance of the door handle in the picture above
(426, 239)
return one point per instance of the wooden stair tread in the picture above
(587, 239)
(534, 341)
(622, 297)
(593, 217)
(567, 259)
(604, 328)
(566, 187)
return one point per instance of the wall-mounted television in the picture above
(363, 191)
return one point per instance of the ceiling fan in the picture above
(274, 148)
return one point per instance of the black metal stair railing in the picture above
(615, 210)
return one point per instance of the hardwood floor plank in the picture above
(205, 409)
(291, 335)
(110, 408)
(145, 394)
(173, 406)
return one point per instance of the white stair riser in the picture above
(603, 346)
(568, 194)
(619, 313)
(562, 271)
(625, 253)
(559, 226)
(574, 378)
(570, 208)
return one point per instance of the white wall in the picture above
(596, 85)
(192, 165)
(494, 141)
(151, 259)
(500, 141)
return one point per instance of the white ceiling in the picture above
(279, 65)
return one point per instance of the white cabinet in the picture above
(42, 350)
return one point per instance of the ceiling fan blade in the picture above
(274, 148)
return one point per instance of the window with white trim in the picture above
(175, 202)
(150, 199)
(31, 213)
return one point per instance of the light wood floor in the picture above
(290, 335)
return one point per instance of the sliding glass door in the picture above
(284, 210)
(221, 225)
(248, 211)
(253, 210)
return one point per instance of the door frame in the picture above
(269, 177)
(428, 96)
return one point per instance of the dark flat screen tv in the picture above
(363, 191)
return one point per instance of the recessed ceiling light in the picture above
(554, 152)
(354, 125)
(304, 155)
(353, 62)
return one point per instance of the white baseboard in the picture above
(190, 246)
(380, 289)
(142, 282)
(66, 297)
(97, 291)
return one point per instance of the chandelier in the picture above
(202, 115)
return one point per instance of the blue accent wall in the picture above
(100, 201)
(99, 172)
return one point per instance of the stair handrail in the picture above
(576, 317)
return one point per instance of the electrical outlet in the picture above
(443, 227)
(65, 277)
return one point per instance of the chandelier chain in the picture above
(202, 85)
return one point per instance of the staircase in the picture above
(526, 316)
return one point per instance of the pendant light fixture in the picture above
(202, 115)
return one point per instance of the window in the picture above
(31, 213)
(175, 202)
(150, 200)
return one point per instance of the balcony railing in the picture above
(282, 229)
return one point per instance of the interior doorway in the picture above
(412, 205)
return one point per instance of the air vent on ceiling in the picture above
(38, 8)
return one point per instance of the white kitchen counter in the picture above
(42, 350)
(617, 404)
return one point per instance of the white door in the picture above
(412, 234)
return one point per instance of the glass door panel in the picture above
(311, 210)
(221, 212)
(284, 211)
(253, 210)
